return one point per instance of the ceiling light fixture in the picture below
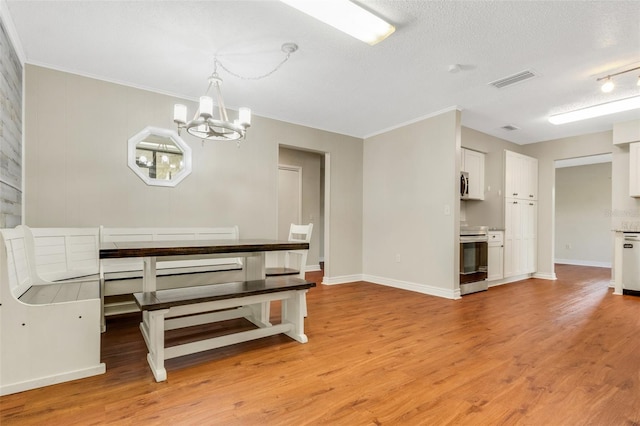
(204, 125)
(608, 84)
(599, 110)
(347, 17)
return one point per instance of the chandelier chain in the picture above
(288, 52)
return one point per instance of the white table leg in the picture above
(149, 274)
(254, 269)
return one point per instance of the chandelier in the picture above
(204, 124)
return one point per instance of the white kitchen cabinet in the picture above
(495, 256)
(520, 214)
(634, 169)
(521, 176)
(473, 163)
(520, 237)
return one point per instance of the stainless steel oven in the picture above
(473, 258)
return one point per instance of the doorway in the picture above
(582, 200)
(302, 198)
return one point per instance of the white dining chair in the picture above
(295, 261)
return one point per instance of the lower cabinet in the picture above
(520, 237)
(495, 261)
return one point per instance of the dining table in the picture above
(251, 250)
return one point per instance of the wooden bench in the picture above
(178, 308)
(49, 332)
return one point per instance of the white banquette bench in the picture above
(68, 254)
(49, 332)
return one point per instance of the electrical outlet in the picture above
(397, 258)
(568, 246)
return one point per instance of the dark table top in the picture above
(115, 250)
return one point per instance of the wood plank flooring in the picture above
(536, 352)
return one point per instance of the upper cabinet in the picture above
(473, 163)
(521, 176)
(634, 169)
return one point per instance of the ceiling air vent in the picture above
(510, 127)
(513, 79)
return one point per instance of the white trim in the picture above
(10, 27)
(343, 279)
(583, 263)
(416, 287)
(52, 380)
(509, 280)
(415, 120)
(327, 213)
(552, 276)
(312, 268)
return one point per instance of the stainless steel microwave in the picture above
(464, 185)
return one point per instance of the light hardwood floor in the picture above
(536, 352)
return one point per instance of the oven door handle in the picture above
(474, 239)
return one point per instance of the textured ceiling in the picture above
(337, 83)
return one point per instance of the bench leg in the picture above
(292, 312)
(260, 313)
(153, 332)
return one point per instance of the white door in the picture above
(289, 204)
(289, 199)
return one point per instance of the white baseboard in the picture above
(544, 276)
(312, 268)
(509, 280)
(416, 287)
(583, 263)
(52, 380)
(344, 279)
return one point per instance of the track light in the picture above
(608, 85)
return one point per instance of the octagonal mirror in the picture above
(159, 156)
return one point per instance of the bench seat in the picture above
(61, 292)
(49, 332)
(166, 299)
(172, 309)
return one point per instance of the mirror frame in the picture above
(177, 140)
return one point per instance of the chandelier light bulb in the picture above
(180, 113)
(244, 116)
(638, 82)
(607, 86)
(206, 106)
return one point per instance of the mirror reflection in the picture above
(159, 156)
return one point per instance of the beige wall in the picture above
(546, 153)
(410, 182)
(583, 222)
(311, 174)
(490, 211)
(76, 172)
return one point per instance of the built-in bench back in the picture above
(62, 253)
(17, 263)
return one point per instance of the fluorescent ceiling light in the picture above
(347, 17)
(621, 105)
